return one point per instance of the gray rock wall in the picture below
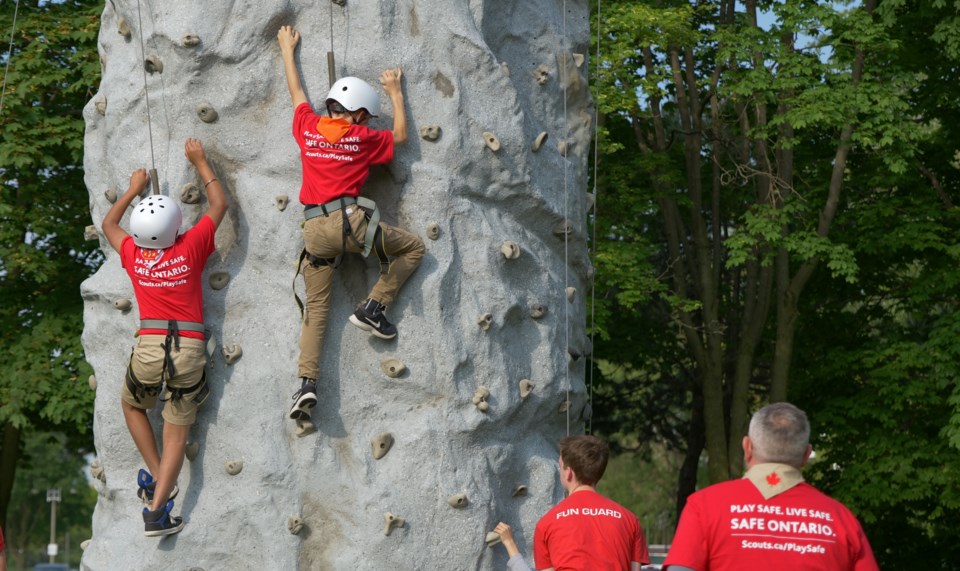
(469, 68)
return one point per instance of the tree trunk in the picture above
(8, 467)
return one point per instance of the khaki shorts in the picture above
(147, 365)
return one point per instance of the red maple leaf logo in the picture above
(773, 479)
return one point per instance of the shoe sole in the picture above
(301, 409)
(167, 531)
(369, 328)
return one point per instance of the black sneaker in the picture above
(147, 485)
(369, 317)
(159, 522)
(304, 400)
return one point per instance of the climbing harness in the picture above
(6, 68)
(154, 178)
(172, 340)
(373, 239)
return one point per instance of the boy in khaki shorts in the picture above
(165, 269)
(336, 153)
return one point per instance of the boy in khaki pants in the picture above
(336, 153)
(165, 269)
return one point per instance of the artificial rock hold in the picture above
(281, 201)
(153, 64)
(520, 490)
(85, 544)
(493, 538)
(101, 104)
(458, 501)
(190, 40)
(231, 354)
(207, 113)
(123, 28)
(110, 194)
(92, 381)
(539, 141)
(537, 310)
(571, 294)
(485, 320)
(491, 141)
(562, 148)
(526, 387)
(122, 304)
(433, 231)
(380, 445)
(393, 367)
(510, 250)
(190, 194)
(96, 471)
(191, 451)
(564, 406)
(563, 228)
(480, 397)
(219, 279)
(578, 60)
(295, 524)
(233, 466)
(391, 522)
(542, 74)
(304, 427)
(90, 233)
(430, 132)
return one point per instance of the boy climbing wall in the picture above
(336, 153)
(165, 271)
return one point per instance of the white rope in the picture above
(566, 199)
(593, 245)
(6, 68)
(146, 92)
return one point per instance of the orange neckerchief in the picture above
(332, 129)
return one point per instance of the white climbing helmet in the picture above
(355, 94)
(155, 222)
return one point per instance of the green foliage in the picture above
(43, 210)
(49, 460)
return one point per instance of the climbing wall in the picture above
(423, 443)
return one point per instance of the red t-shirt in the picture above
(335, 169)
(587, 531)
(731, 526)
(167, 282)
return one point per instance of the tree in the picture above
(744, 133)
(43, 211)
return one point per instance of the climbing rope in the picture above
(6, 68)
(593, 243)
(154, 179)
(331, 64)
(566, 217)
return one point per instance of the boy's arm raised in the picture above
(390, 79)
(194, 152)
(111, 222)
(288, 38)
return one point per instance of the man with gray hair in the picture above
(770, 518)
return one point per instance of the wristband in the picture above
(214, 179)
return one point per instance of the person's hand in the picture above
(138, 181)
(506, 536)
(390, 80)
(288, 38)
(193, 149)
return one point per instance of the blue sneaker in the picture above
(159, 522)
(147, 485)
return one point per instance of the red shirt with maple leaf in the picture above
(770, 519)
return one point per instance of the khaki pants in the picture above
(147, 365)
(323, 237)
